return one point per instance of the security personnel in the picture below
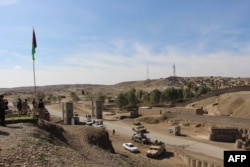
(41, 108)
(3, 107)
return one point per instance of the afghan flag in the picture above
(33, 45)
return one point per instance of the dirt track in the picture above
(190, 143)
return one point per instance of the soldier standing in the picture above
(19, 106)
(41, 108)
(3, 107)
(26, 107)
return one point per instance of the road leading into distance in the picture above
(195, 146)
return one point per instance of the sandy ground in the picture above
(192, 132)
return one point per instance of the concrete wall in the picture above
(67, 111)
(223, 134)
(98, 109)
(162, 110)
(192, 161)
(234, 122)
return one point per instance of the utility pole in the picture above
(174, 72)
(147, 72)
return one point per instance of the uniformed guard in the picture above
(3, 107)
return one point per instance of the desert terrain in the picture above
(18, 140)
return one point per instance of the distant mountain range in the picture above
(149, 84)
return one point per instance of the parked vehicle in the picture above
(137, 123)
(141, 138)
(130, 147)
(98, 123)
(156, 149)
(139, 128)
(88, 121)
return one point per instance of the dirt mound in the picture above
(54, 144)
(93, 136)
(149, 120)
(235, 104)
(98, 137)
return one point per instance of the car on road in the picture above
(141, 138)
(98, 123)
(131, 147)
(88, 121)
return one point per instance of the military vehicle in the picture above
(139, 128)
(137, 123)
(156, 149)
(141, 138)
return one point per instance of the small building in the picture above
(175, 130)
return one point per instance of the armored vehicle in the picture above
(141, 138)
(156, 149)
(139, 128)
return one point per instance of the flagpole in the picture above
(34, 74)
(34, 45)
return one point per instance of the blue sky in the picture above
(111, 41)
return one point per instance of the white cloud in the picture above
(112, 68)
(8, 2)
(17, 67)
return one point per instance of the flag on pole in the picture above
(33, 45)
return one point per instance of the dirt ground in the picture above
(191, 130)
(118, 139)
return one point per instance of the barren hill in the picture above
(231, 104)
(235, 104)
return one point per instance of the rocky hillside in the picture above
(56, 145)
(234, 104)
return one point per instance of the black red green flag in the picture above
(33, 45)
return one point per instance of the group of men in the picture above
(22, 107)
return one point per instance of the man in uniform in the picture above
(26, 107)
(41, 108)
(19, 106)
(3, 107)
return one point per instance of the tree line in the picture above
(170, 95)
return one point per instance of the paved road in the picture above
(187, 144)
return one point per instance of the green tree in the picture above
(146, 97)
(122, 100)
(139, 94)
(155, 96)
(131, 98)
(101, 96)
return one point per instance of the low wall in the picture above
(162, 110)
(192, 161)
(217, 120)
(224, 134)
